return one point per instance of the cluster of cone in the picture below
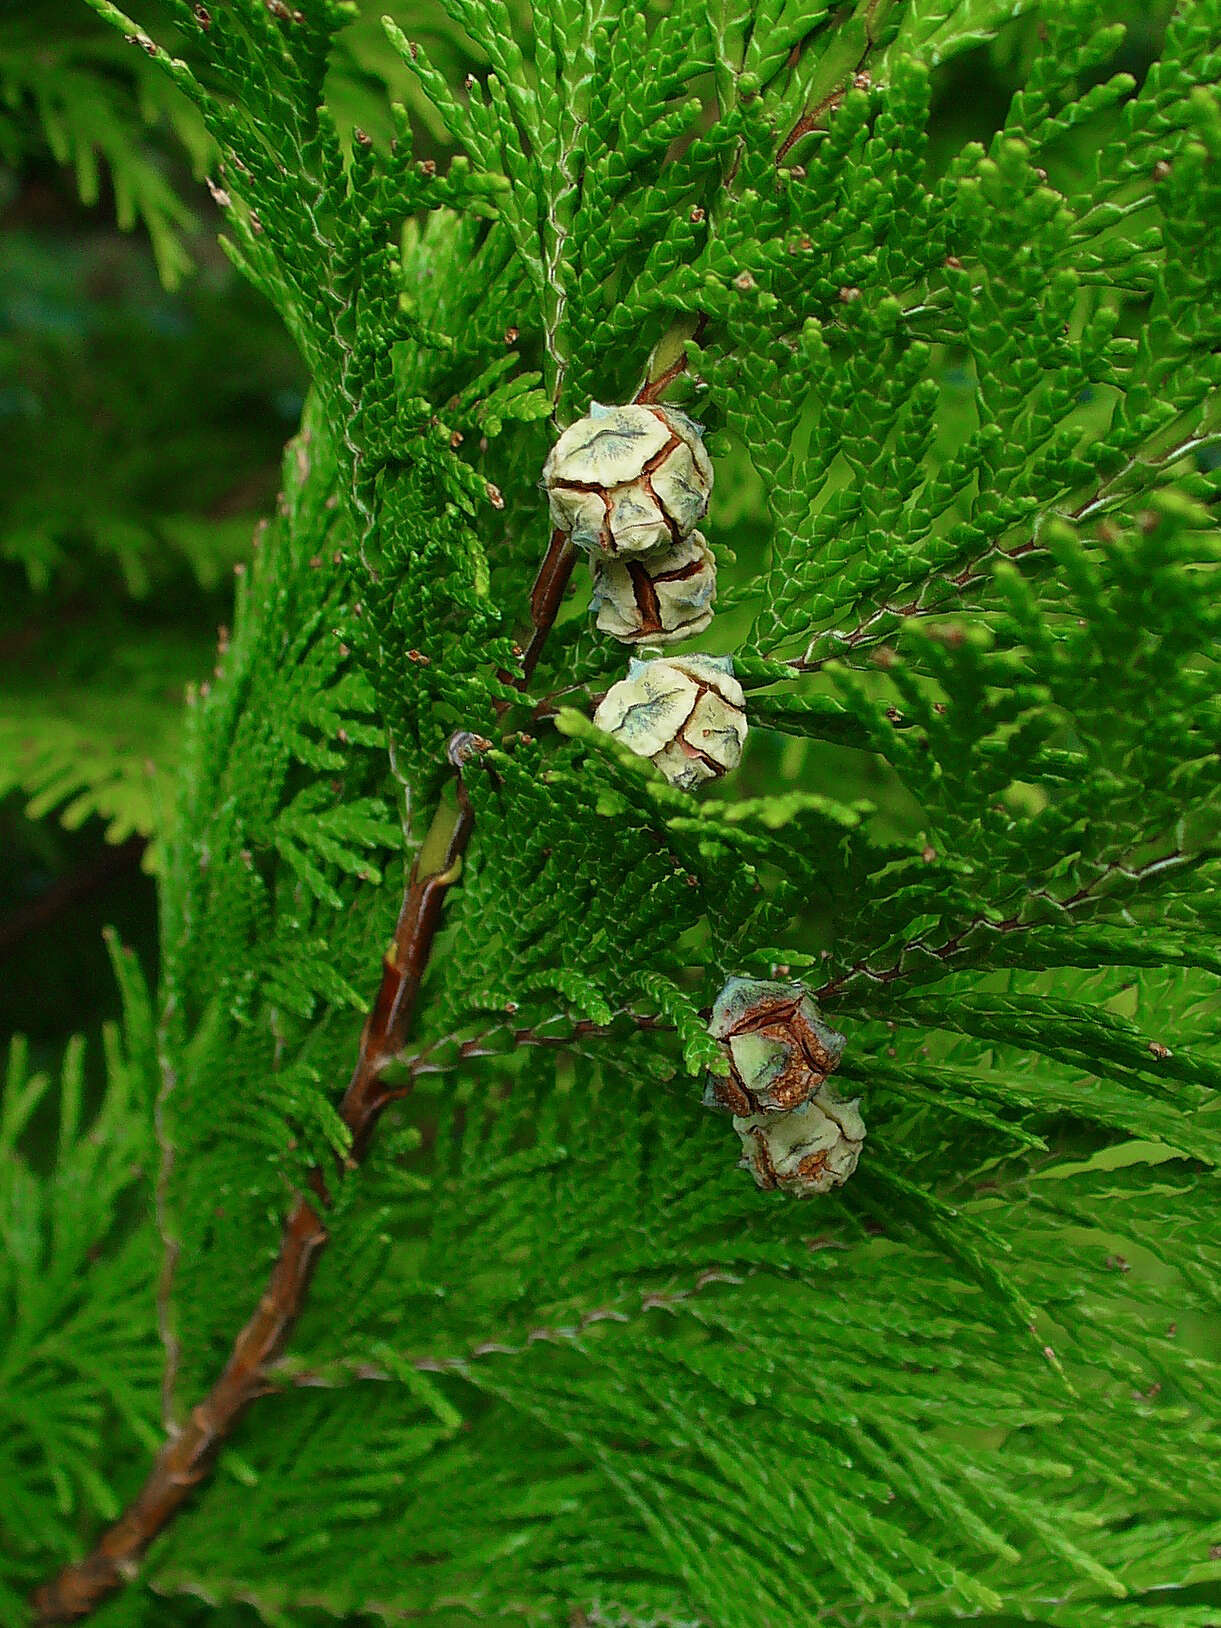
(795, 1133)
(629, 485)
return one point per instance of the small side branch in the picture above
(960, 942)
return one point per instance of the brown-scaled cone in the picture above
(778, 1048)
(811, 1149)
(628, 480)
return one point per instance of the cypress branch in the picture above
(189, 1455)
(961, 407)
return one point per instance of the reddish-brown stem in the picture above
(810, 120)
(813, 117)
(946, 952)
(482, 1046)
(290, 1375)
(651, 389)
(550, 584)
(188, 1455)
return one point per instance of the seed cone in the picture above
(625, 481)
(659, 597)
(811, 1149)
(778, 1048)
(685, 713)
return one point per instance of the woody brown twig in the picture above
(188, 1455)
(652, 389)
(190, 1452)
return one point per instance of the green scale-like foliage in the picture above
(562, 1364)
(81, 1363)
(593, 1362)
